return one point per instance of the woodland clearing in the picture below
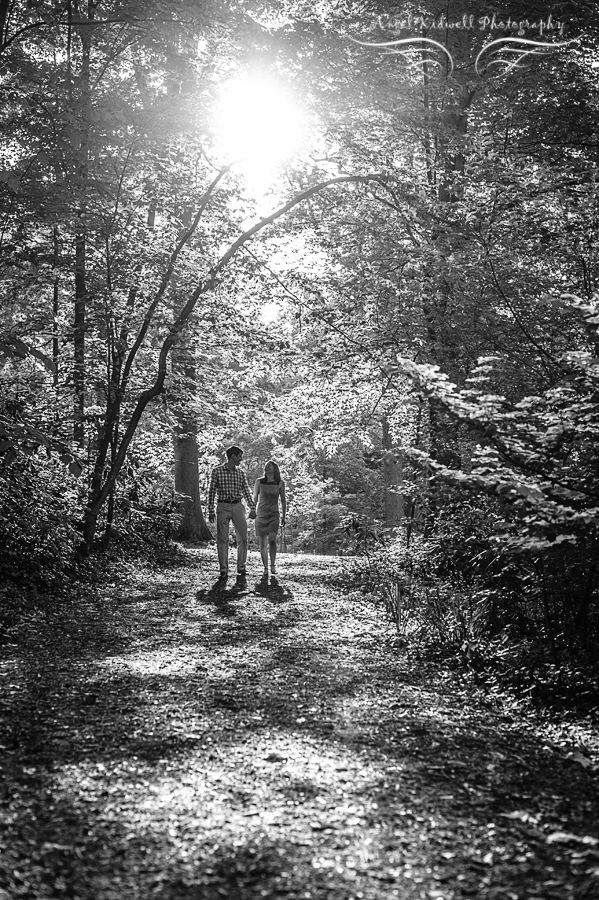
(165, 737)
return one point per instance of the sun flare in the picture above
(257, 126)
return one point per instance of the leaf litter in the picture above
(168, 738)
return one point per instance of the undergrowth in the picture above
(499, 640)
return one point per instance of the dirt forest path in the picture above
(171, 740)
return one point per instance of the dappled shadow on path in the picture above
(220, 597)
(273, 590)
(265, 742)
(223, 594)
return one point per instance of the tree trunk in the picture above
(393, 475)
(56, 312)
(82, 108)
(4, 12)
(79, 339)
(413, 512)
(192, 526)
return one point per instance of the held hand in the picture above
(211, 517)
(283, 521)
(252, 514)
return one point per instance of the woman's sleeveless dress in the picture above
(267, 514)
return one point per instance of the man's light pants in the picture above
(226, 513)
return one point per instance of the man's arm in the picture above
(212, 495)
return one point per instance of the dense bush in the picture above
(457, 599)
(461, 589)
(514, 530)
(39, 506)
(505, 577)
(40, 515)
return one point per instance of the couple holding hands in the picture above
(228, 487)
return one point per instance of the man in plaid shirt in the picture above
(230, 484)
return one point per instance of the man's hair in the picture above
(233, 451)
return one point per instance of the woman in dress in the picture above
(267, 492)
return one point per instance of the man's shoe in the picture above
(241, 572)
(222, 575)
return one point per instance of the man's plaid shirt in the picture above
(229, 484)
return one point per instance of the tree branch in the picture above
(167, 277)
(208, 284)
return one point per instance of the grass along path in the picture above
(166, 739)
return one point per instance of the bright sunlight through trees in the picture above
(257, 126)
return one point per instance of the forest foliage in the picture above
(428, 376)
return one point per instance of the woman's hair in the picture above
(276, 473)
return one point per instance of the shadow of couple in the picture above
(221, 594)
